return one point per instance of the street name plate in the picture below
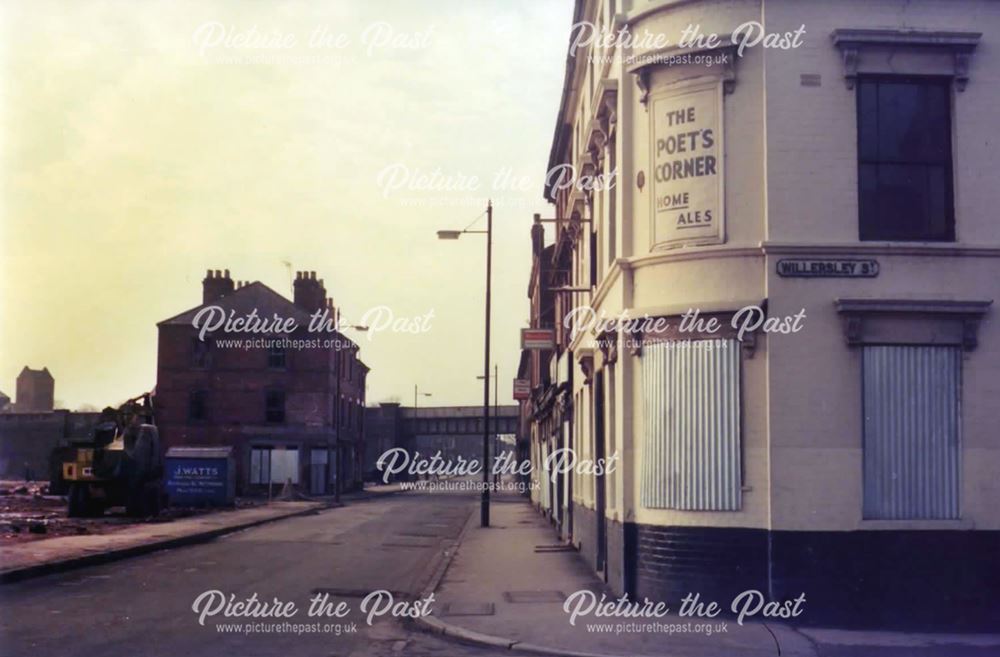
(827, 268)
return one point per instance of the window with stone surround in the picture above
(904, 159)
(907, 82)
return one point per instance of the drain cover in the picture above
(467, 609)
(420, 532)
(534, 596)
(559, 547)
(409, 542)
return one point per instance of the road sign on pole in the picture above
(533, 338)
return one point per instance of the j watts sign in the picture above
(687, 167)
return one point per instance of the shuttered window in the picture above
(260, 465)
(911, 432)
(270, 465)
(691, 414)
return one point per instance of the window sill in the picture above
(916, 525)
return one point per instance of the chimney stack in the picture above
(537, 237)
(215, 286)
(310, 294)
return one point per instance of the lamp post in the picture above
(484, 504)
(496, 416)
(421, 394)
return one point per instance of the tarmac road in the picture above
(143, 606)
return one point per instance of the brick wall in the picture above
(27, 439)
(236, 383)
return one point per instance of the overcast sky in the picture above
(147, 142)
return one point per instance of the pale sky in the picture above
(145, 142)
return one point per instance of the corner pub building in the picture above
(848, 181)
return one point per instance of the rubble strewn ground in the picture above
(29, 513)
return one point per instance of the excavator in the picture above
(121, 465)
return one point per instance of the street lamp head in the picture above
(449, 234)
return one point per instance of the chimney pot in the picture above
(215, 286)
(309, 293)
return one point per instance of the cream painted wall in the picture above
(811, 131)
(790, 178)
(815, 414)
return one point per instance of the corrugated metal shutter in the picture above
(691, 411)
(911, 431)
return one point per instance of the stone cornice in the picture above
(943, 249)
(957, 320)
(853, 43)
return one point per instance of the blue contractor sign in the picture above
(199, 481)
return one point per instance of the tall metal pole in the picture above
(484, 511)
(496, 416)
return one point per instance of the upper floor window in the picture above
(201, 352)
(904, 159)
(274, 406)
(198, 405)
(276, 356)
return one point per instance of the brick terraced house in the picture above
(292, 405)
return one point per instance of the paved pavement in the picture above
(502, 589)
(58, 553)
(500, 584)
